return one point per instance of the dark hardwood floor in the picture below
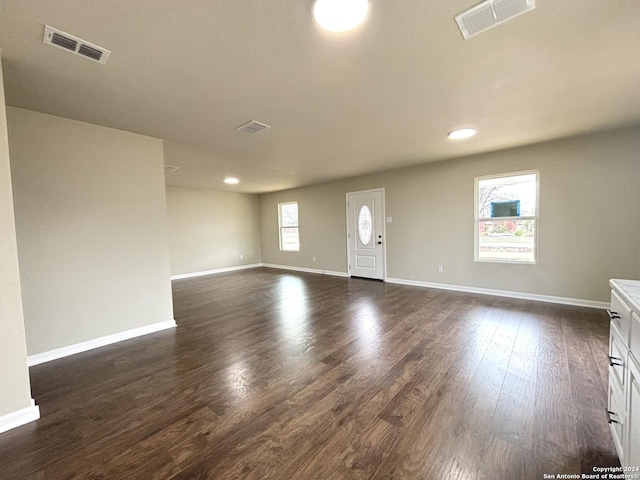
(274, 374)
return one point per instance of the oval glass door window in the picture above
(364, 225)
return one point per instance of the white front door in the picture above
(365, 232)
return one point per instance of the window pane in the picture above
(506, 240)
(289, 215)
(507, 189)
(364, 225)
(290, 239)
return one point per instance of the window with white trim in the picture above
(289, 229)
(506, 217)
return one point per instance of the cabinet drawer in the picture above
(618, 354)
(620, 316)
(617, 421)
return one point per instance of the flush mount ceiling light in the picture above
(231, 181)
(462, 133)
(340, 15)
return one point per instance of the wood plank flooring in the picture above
(274, 374)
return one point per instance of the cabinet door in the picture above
(632, 453)
(617, 421)
(617, 358)
(634, 346)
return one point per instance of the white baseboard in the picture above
(98, 342)
(256, 265)
(19, 417)
(211, 272)
(306, 270)
(502, 293)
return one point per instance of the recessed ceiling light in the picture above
(231, 181)
(340, 15)
(462, 133)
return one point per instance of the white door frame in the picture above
(384, 229)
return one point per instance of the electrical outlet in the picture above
(242, 256)
(314, 259)
(440, 269)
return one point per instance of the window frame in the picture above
(281, 227)
(478, 219)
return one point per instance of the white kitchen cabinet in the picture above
(623, 410)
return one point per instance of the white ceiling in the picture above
(382, 96)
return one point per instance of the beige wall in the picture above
(14, 375)
(92, 229)
(589, 227)
(209, 230)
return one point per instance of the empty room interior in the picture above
(320, 239)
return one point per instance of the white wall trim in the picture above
(19, 417)
(306, 270)
(503, 293)
(211, 272)
(98, 342)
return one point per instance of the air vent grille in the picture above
(70, 43)
(491, 13)
(64, 42)
(90, 52)
(506, 9)
(253, 127)
(478, 20)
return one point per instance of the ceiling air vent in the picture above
(253, 127)
(491, 13)
(64, 42)
(75, 45)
